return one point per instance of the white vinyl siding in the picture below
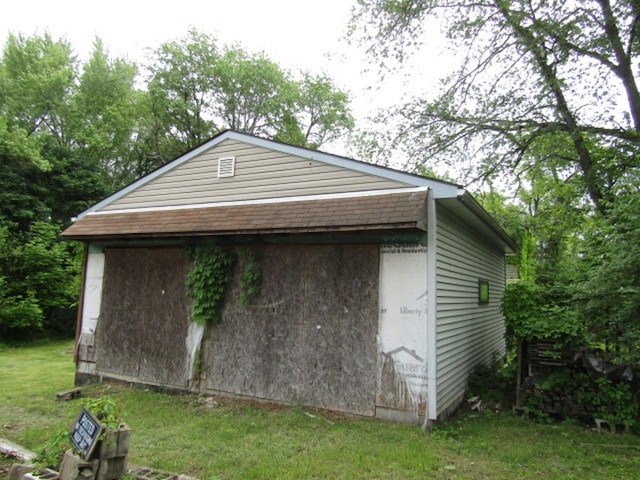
(260, 173)
(467, 333)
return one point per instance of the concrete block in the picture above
(112, 468)
(18, 470)
(45, 474)
(124, 439)
(115, 442)
(73, 467)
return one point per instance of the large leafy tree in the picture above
(104, 117)
(609, 294)
(545, 97)
(47, 176)
(323, 111)
(181, 84)
(197, 88)
(539, 81)
(64, 133)
(37, 78)
(36, 81)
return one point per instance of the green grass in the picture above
(234, 439)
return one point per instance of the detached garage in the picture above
(378, 290)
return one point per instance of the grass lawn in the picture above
(231, 439)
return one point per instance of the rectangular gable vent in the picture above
(226, 167)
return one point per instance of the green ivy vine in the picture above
(251, 278)
(209, 277)
(207, 282)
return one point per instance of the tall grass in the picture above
(231, 439)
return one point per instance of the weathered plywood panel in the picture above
(309, 337)
(144, 317)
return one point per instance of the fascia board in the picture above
(473, 207)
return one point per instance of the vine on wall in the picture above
(207, 282)
(209, 277)
(251, 278)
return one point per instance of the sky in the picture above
(297, 34)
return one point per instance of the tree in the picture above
(55, 126)
(181, 83)
(532, 73)
(197, 89)
(609, 293)
(37, 79)
(253, 94)
(546, 99)
(104, 115)
(46, 178)
(38, 281)
(324, 114)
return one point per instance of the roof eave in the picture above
(411, 227)
(464, 197)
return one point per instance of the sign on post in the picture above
(86, 433)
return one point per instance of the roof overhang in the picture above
(397, 211)
(467, 209)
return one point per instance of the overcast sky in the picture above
(297, 34)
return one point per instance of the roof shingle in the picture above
(405, 210)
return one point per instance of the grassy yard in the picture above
(227, 439)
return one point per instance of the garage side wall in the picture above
(468, 332)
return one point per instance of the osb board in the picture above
(309, 337)
(144, 315)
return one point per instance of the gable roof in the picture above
(228, 142)
(272, 180)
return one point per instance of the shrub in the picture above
(530, 314)
(494, 383)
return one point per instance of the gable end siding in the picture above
(467, 333)
(260, 173)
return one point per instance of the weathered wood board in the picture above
(144, 316)
(309, 337)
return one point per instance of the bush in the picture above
(38, 282)
(494, 383)
(531, 313)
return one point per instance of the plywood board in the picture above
(309, 337)
(144, 315)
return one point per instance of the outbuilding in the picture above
(375, 291)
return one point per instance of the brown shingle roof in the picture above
(404, 210)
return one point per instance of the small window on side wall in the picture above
(483, 292)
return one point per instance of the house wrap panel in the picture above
(467, 333)
(260, 173)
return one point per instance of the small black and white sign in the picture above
(86, 433)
